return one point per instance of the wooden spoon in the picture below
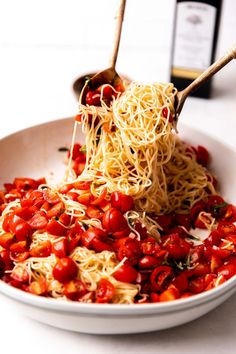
(201, 79)
(107, 76)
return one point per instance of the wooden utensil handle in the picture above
(214, 68)
(119, 22)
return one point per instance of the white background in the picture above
(44, 46)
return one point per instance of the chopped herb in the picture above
(83, 149)
(221, 205)
(87, 80)
(63, 149)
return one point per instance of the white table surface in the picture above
(44, 46)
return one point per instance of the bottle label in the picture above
(195, 26)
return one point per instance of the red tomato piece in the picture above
(5, 258)
(201, 269)
(65, 188)
(106, 90)
(65, 219)
(73, 242)
(165, 221)
(19, 257)
(183, 220)
(149, 246)
(176, 246)
(60, 247)
(6, 240)
(93, 98)
(20, 274)
(7, 221)
(181, 282)
(105, 291)
(148, 262)
(82, 186)
(77, 153)
(160, 276)
(126, 273)
(38, 221)
(197, 285)
(38, 287)
(18, 247)
(42, 250)
(230, 213)
(114, 221)
(203, 156)
(226, 227)
(25, 213)
(55, 228)
(197, 208)
(122, 202)
(216, 262)
(51, 196)
(20, 228)
(220, 252)
(78, 167)
(227, 270)
(172, 293)
(56, 210)
(74, 289)
(154, 297)
(131, 250)
(25, 183)
(99, 246)
(167, 114)
(92, 233)
(85, 198)
(65, 270)
(94, 213)
(99, 200)
(216, 205)
(122, 233)
(214, 238)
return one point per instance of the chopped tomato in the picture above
(56, 210)
(38, 287)
(20, 228)
(126, 273)
(148, 262)
(65, 270)
(18, 247)
(38, 221)
(55, 228)
(176, 246)
(51, 196)
(99, 199)
(20, 274)
(160, 276)
(42, 250)
(92, 233)
(130, 249)
(60, 247)
(122, 202)
(74, 289)
(172, 293)
(6, 240)
(105, 291)
(114, 221)
(94, 213)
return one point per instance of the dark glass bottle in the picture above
(194, 42)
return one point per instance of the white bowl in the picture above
(33, 152)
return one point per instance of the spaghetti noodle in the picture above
(118, 228)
